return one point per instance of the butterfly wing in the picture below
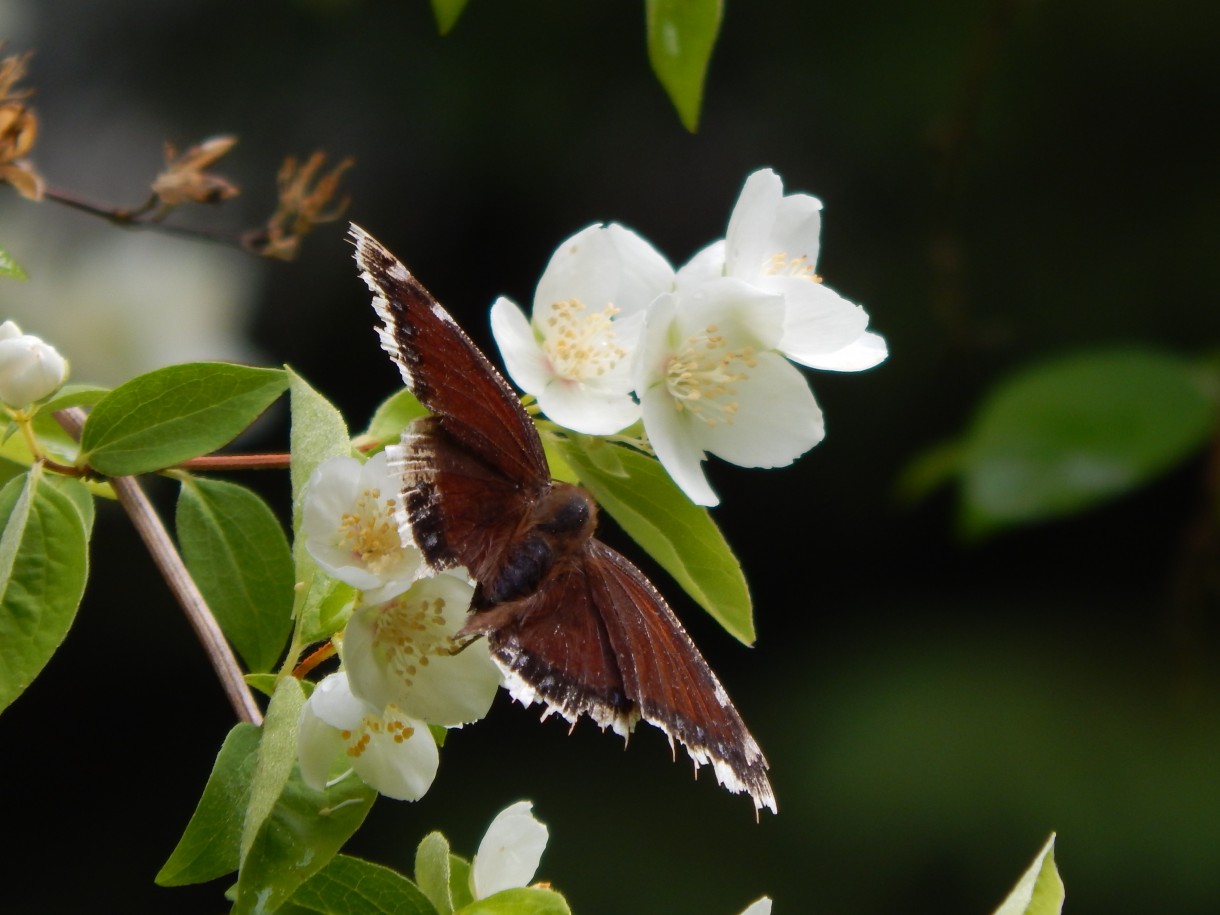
(667, 678)
(599, 640)
(479, 447)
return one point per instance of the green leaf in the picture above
(1040, 890)
(350, 886)
(172, 414)
(459, 881)
(51, 435)
(301, 835)
(1064, 436)
(79, 495)
(264, 683)
(326, 607)
(318, 433)
(277, 754)
(447, 13)
(678, 534)
(12, 269)
(432, 871)
(44, 563)
(394, 414)
(928, 471)
(211, 845)
(681, 34)
(521, 901)
(236, 551)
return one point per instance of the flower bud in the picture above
(30, 369)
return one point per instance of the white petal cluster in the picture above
(702, 355)
(402, 669)
(351, 529)
(30, 369)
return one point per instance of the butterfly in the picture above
(571, 623)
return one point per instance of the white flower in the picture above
(349, 521)
(29, 368)
(575, 355)
(759, 907)
(710, 381)
(510, 851)
(773, 242)
(401, 653)
(391, 752)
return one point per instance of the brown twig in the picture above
(175, 573)
(276, 461)
(137, 218)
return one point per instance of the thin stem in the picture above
(275, 461)
(184, 589)
(136, 218)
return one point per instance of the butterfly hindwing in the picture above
(667, 678)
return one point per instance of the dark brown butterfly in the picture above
(571, 623)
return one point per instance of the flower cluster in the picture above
(30, 369)
(702, 355)
(401, 670)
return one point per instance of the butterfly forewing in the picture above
(447, 372)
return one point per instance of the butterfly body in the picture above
(571, 623)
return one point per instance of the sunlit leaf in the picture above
(44, 563)
(277, 754)
(318, 433)
(447, 13)
(211, 845)
(12, 269)
(172, 414)
(1061, 437)
(679, 535)
(391, 417)
(681, 35)
(1040, 889)
(521, 901)
(236, 551)
(432, 871)
(299, 837)
(350, 886)
(459, 881)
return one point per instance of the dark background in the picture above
(1003, 182)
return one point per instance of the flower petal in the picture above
(603, 265)
(400, 653)
(400, 759)
(510, 851)
(817, 320)
(333, 703)
(750, 225)
(317, 746)
(866, 351)
(706, 265)
(777, 419)
(759, 907)
(671, 438)
(574, 406)
(351, 530)
(798, 228)
(524, 359)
